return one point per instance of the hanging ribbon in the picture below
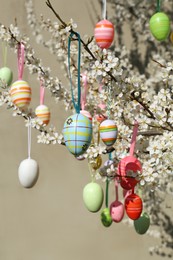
(84, 94)
(133, 141)
(29, 138)
(20, 60)
(158, 9)
(107, 193)
(75, 104)
(104, 9)
(42, 92)
(116, 189)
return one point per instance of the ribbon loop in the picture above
(29, 138)
(104, 9)
(85, 91)
(42, 92)
(133, 141)
(20, 60)
(75, 104)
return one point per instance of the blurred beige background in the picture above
(50, 222)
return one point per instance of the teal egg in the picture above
(93, 196)
(77, 133)
(106, 217)
(6, 75)
(142, 224)
(160, 26)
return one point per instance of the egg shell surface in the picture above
(117, 211)
(6, 75)
(104, 34)
(106, 217)
(20, 93)
(160, 26)
(133, 206)
(43, 113)
(77, 133)
(108, 132)
(93, 196)
(28, 173)
(142, 224)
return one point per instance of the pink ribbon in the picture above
(85, 91)
(42, 92)
(133, 142)
(20, 60)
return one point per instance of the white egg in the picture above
(28, 173)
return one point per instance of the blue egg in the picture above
(77, 133)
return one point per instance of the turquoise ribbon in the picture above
(76, 104)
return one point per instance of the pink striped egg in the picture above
(20, 93)
(108, 132)
(104, 34)
(43, 113)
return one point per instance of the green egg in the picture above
(160, 26)
(142, 224)
(6, 75)
(93, 196)
(106, 217)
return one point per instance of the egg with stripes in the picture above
(77, 133)
(133, 206)
(160, 26)
(20, 94)
(108, 132)
(104, 34)
(43, 113)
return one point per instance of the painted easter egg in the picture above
(43, 113)
(142, 224)
(28, 173)
(133, 206)
(117, 211)
(100, 117)
(96, 162)
(106, 217)
(108, 132)
(160, 26)
(128, 163)
(93, 196)
(6, 75)
(20, 93)
(104, 34)
(86, 113)
(77, 133)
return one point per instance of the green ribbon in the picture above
(107, 193)
(158, 9)
(76, 104)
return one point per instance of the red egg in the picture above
(133, 206)
(128, 163)
(104, 34)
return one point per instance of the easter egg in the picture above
(86, 113)
(160, 26)
(106, 217)
(133, 206)
(128, 163)
(6, 75)
(93, 196)
(28, 173)
(20, 93)
(100, 118)
(43, 113)
(96, 162)
(77, 133)
(104, 34)
(108, 132)
(117, 211)
(142, 224)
